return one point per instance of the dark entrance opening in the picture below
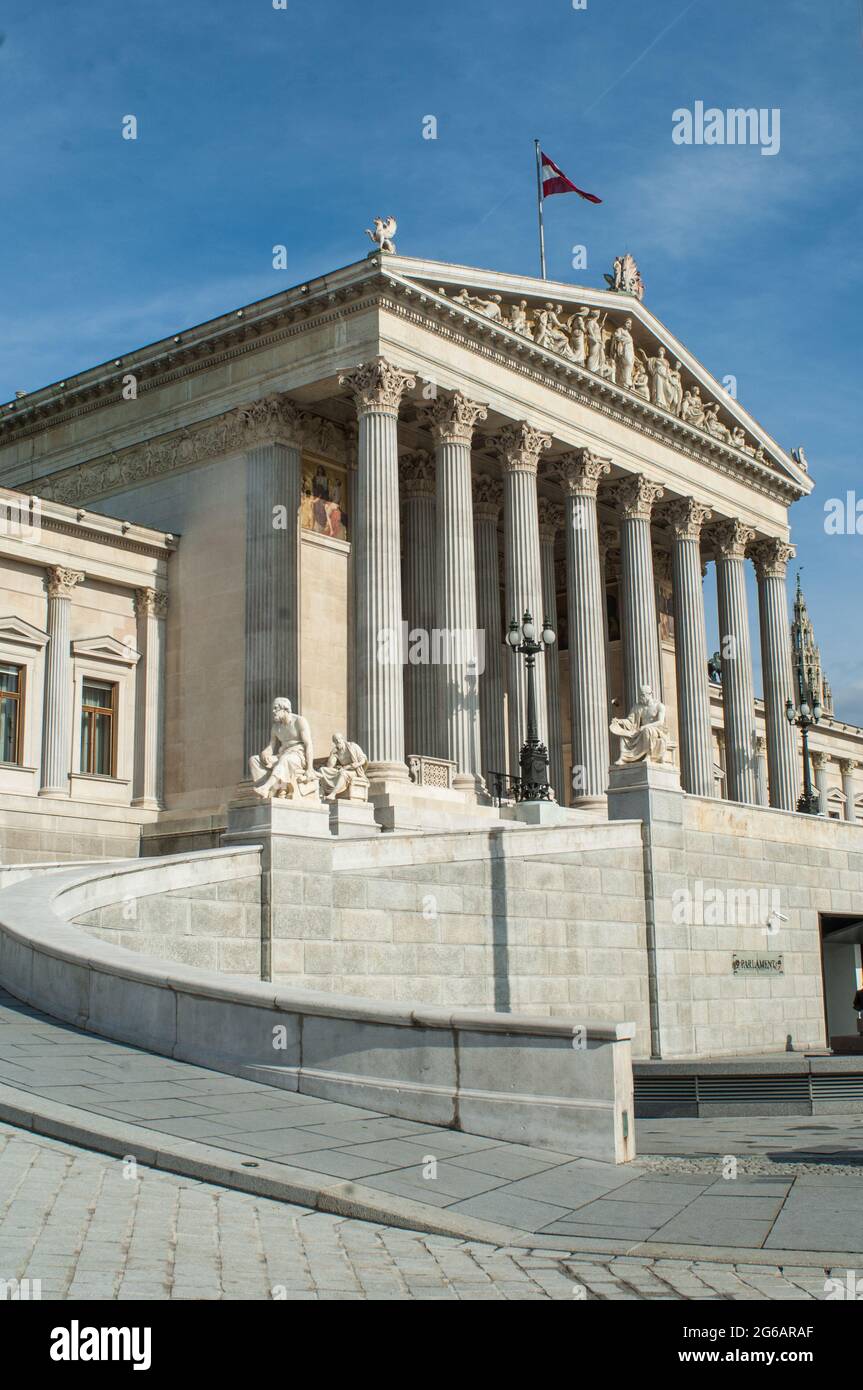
(842, 965)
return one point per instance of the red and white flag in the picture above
(554, 180)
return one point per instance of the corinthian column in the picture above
(57, 710)
(452, 422)
(550, 522)
(820, 766)
(690, 638)
(636, 496)
(847, 767)
(487, 500)
(579, 473)
(738, 695)
(151, 605)
(417, 477)
(771, 561)
(378, 387)
(272, 566)
(520, 447)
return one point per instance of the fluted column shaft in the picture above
(636, 496)
(580, 473)
(452, 420)
(849, 787)
(273, 469)
(378, 387)
(771, 561)
(151, 605)
(738, 694)
(520, 447)
(422, 723)
(487, 501)
(550, 522)
(820, 764)
(690, 638)
(57, 709)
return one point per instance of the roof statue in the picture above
(382, 236)
(625, 276)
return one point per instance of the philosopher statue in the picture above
(285, 768)
(344, 772)
(644, 733)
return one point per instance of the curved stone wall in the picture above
(562, 1083)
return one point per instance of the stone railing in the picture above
(565, 1084)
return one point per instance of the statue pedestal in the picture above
(352, 819)
(636, 790)
(250, 819)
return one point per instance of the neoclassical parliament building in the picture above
(344, 494)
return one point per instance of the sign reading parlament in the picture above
(749, 962)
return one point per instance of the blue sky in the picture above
(259, 126)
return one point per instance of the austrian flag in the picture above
(554, 180)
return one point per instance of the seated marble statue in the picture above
(285, 768)
(344, 772)
(644, 733)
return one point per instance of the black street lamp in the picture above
(533, 759)
(806, 715)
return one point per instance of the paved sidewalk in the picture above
(557, 1200)
(90, 1227)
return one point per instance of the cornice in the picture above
(505, 348)
(180, 450)
(286, 316)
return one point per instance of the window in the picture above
(97, 728)
(11, 706)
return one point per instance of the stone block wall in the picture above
(758, 861)
(217, 926)
(546, 921)
(40, 831)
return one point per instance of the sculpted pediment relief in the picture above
(624, 345)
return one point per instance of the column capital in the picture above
(550, 518)
(61, 581)
(731, 538)
(771, 557)
(636, 496)
(520, 446)
(487, 497)
(151, 603)
(847, 766)
(686, 518)
(451, 419)
(416, 474)
(820, 759)
(273, 420)
(377, 386)
(579, 472)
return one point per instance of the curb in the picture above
(262, 1178)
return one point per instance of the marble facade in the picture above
(493, 431)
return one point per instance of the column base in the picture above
(387, 772)
(58, 793)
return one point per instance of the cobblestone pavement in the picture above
(91, 1227)
(795, 1187)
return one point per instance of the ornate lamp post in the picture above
(806, 715)
(533, 759)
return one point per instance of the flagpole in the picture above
(539, 209)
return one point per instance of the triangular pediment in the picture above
(14, 629)
(612, 337)
(106, 649)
